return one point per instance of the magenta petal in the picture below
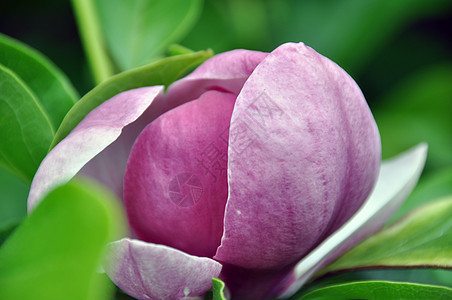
(175, 186)
(225, 71)
(150, 271)
(93, 134)
(304, 153)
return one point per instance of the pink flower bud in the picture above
(240, 170)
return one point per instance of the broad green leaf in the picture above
(438, 277)
(13, 202)
(380, 290)
(137, 31)
(422, 239)
(48, 84)
(25, 130)
(6, 231)
(419, 109)
(55, 253)
(423, 276)
(163, 72)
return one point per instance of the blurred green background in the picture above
(398, 51)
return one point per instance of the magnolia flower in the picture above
(246, 169)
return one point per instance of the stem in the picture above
(90, 32)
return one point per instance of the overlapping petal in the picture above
(397, 179)
(98, 130)
(150, 271)
(175, 186)
(225, 71)
(304, 153)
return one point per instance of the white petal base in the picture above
(398, 177)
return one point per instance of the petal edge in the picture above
(151, 271)
(95, 132)
(398, 177)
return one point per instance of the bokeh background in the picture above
(399, 52)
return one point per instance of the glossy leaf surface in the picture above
(380, 290)
(137, 31)
(49, 85)
(55, 253)
(422, 239)
(26, 131)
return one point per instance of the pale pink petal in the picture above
(226, 71)
(97, 130)
(175, 185)
(150, 271)
(304, 153)
(398, 177)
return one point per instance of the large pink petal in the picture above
(175, 186)
(304, 153)
(98, 129)
(397, 179)
(150, 271)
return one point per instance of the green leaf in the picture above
(438, 277)
(423, 276)
(176, 49)
(136, 31)
(163, 72)
(54, 254)
(13, 202)
(380, 290)
(48, 84)
(25, 130)
(422, 239)
(218, 287)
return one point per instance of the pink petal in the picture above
(226, 71)
(397, 179)
(304, 153)
(175, 186)
(98, 129)
(149, 271)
